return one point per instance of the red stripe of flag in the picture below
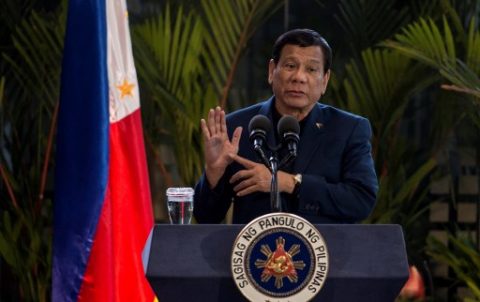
(115, 271)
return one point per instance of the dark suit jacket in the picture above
(339, 184)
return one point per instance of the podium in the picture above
(192, 263)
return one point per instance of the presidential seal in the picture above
(279, 257)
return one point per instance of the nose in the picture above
(299, 76)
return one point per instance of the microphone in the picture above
(258, 128)
(289, 130)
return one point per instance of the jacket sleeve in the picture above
(211, 205)
(352, 198)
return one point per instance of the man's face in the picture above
(298, 80)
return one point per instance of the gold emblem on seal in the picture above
(280, 264)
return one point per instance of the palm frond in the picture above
(472, 58)
(401, 195)
(32, 91)
(185, 60)
(409, 187)
(422, 40)
(169, 49)
(168, 53)
(423, 8)
(462, 256)
(367, 22)
(230, 24)
(380, 85)
(38, 41)
(462, 77)
(425, 42)
(27, 108)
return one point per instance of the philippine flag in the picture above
(103, 213)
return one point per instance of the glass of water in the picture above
(180, 205)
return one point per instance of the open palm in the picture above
(218, 146)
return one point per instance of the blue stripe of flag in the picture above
(81, 173)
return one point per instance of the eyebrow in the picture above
(309, 61)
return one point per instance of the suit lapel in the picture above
(311, 139)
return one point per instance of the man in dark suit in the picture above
(332, 180)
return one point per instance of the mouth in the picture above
(295, 93)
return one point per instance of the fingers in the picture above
(243, 189)
(211, 121)
(256, 179)
(251, 185)
(223, 122)
(236, 137)
(243, 161)
(215, 122)
(218, 119)
(246, 183)
(242, 174)
(205, 131)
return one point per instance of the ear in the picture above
(325, 79)
(271, 67)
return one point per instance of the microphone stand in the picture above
(289, 128)
(275, 201)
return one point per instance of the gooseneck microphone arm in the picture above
(275, 200)
(288, 129)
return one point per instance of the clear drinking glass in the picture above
(180, 204)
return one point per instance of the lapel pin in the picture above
(319, 125)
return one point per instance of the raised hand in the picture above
(218, 147)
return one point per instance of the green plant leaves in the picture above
(7, 239)
(186, 62)
(425, 42)
(230, 24)
(27, 104)
(379, 87)
(462, 255)
(367, 22)
(168, 60)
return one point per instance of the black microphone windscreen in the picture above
(259, 122)
(288, 124)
